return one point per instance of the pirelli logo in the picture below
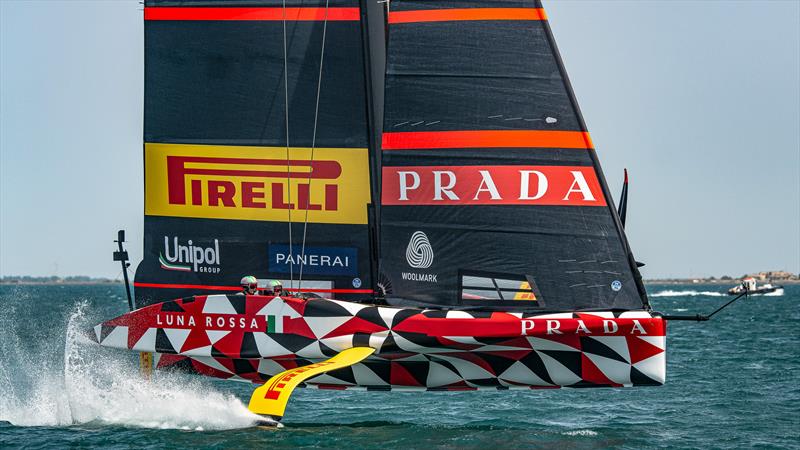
(257, 183)
(276, 388)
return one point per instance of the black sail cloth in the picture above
(217, 196)
(489, 178)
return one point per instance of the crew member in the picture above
(274, 287)
(277, 288)
(249, 285)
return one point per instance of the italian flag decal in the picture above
(274, 325)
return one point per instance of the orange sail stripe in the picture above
(255, 14)
(461, 14)
(411, 140)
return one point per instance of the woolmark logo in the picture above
(419, 252)
(190, 257)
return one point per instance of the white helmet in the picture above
(249, 284)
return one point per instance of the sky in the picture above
(700, 100)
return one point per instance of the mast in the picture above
(373, 23)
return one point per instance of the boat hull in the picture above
(254, 337)
(760, 291)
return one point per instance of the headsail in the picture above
(238, 144)
(491, 189)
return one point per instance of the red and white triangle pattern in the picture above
(253, 337)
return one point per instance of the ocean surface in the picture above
(731, 382)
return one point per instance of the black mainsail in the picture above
(492, 194)
(258, 120)
(244, 134)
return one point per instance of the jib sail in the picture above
(244, 134)
(491, 189)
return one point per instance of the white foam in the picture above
(777, 293)
(580, 433)
(688, 293)
(91, 388)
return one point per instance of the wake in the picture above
(691, 293)
(38, 389)
(777, 293)
(687, 293)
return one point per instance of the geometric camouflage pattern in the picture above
(251, 338)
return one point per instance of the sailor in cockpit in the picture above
(249, 285)
(274, 287)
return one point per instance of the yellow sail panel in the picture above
(257, 183)
(271, 398)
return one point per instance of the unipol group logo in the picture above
(257, 183)
(419, 252)
(189, 257)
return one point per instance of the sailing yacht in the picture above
(417, 172)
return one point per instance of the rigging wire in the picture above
(313, 144)
(286, 119)
(704, 318)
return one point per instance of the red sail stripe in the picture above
(255, 14)
(461, 14)
(187, 286)
(238, 288)
(415, 140)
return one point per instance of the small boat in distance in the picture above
(752, 287)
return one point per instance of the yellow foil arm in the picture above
(146, 365)
(271, 398)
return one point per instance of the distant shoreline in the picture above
(60, 283)
(72, 280)
(717, 281)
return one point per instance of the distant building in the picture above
(776, 275)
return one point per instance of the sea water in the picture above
(731, 382)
